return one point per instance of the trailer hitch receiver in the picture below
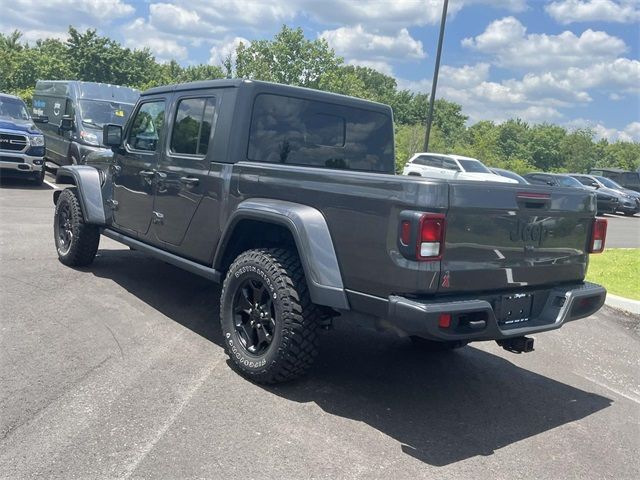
(517, 344)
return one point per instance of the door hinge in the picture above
(113, 204)
(158, 218)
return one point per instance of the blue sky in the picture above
(571, 62)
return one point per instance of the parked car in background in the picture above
(627, 204)
(616, 186)
(509, 174)
(625, 178)
(451, 167)
(21, 143)
(76, 112)
(607, 203)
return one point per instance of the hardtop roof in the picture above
(269, 87)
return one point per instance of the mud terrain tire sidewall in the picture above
(294, 344)
(85, 237)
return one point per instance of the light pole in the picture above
(435, 76)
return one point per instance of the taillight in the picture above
(598, 235)
(431, 238)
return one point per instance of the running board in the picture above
(188, 265)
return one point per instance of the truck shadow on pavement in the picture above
(442, 408)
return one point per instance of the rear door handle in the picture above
(189, 181)
(147, 173)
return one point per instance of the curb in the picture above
(622, 303)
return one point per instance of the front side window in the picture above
(474, 166)
(631, 178)
(570, 182)
(147, 126)
(192, 126)
(449, 164)
(584, 180)
(311, 133)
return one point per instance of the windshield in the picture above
(13, 108)
(608, 183)
(96, 113)
(473, 166)
(569, 182)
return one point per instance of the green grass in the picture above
(618, 270)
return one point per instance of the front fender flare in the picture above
(87, 180)
(313, 241)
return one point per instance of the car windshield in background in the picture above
(13, 108)
(473, 166)
(569, 182)
(608, 183)
(96, 113)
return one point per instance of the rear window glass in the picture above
(294, 131)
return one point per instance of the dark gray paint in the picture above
(87, 179)
(313, 241)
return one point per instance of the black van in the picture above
(624, 178)
(76, 112)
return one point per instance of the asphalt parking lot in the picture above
(117, 371)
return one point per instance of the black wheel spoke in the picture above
(254, 316)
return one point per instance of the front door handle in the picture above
(190, 181)
(147, 173)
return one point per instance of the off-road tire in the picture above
(84, 239)
(294, 343)
(433, 346)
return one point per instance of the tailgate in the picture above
(501, 236)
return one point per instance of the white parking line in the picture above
(52, 185)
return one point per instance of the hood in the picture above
(22, 126)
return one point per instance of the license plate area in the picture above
(515, 309)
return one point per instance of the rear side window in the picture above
(294, 131)
(192, 126)
(428, 161)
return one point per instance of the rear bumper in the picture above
(560, 305)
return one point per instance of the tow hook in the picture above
(517, 344)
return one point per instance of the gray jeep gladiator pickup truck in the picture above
(287, 196)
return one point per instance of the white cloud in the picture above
(508, 42)
(45, 19)
(570, 11)
(630, 133)
(223, 48)
(139, 34)
(392, 15)
(355, 43)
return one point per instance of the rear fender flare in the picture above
(88, 182)
(313, 241)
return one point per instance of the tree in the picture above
(579, 151)
(544, 146)
(289, 58)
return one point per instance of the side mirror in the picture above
(40, 118)
(112, 135)
(66, 124)
(595, 185)
(550, 182)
